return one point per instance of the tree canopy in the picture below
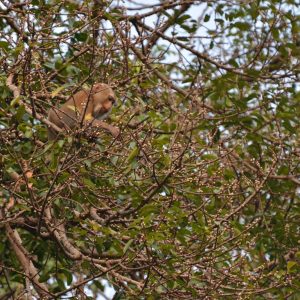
(198, 197)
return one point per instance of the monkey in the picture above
(85, 108)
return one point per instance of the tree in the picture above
(198, 198)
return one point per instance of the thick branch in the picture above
(25, 261)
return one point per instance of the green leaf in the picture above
(291, 266)
(4, 45)
(182, 18)
(128, 244)
(44, 277)
(28, 133)
(229, 174)
(89, 183)
(206, 18)
(81, 36)
(182, 38)
(61, 143)
(20, 113)
(68, 275)
(133, 154)
(58, 90)
(241, 25)
(15, 101)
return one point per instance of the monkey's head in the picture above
(104, 99)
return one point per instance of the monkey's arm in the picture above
(115, 131)
(65, 121)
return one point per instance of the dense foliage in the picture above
(198, 198)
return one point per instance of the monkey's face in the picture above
(104, 99)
